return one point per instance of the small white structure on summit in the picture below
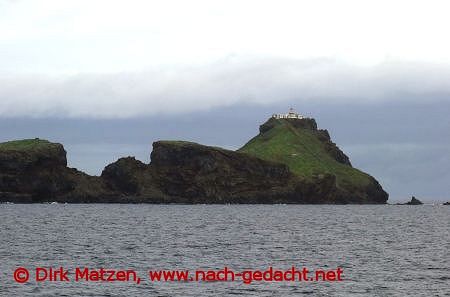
(290, 115)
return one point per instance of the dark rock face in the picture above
(414, 201)
(202, 174)
(42, 174)
(184, 172)
(21, 173)
(332, 148)
(122, 175)
(134, 181)
(180, 172)
(15, 160)
(446, 203)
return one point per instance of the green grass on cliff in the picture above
(303, 152)
(176, 142)
(183, 143)
(26, 145)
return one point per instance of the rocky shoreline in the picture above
(33, 171)
(180, 172)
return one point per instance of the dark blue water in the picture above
(383, 250)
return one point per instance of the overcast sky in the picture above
(109, 77)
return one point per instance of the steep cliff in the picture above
(203, 174)
(35, 170)
(186, 172)
(309, 153)
(291, 161)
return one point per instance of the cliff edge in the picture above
(309, 153)
(35, 170)
(290, 161)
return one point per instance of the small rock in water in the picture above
(414, 201)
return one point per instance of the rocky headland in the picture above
(290, 161)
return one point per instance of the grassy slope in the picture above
(27, 145)
(303, 152)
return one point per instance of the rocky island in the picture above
(289, 161)
(414, 201)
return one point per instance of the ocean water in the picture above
(383, 250)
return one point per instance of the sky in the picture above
(106, 78)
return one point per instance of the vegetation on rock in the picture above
(28, 145)
(290, 161)
(307, 151)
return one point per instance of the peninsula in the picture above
(289, 161)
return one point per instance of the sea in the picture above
(380, 250)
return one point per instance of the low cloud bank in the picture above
(231, 81)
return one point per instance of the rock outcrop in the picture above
(35, 170)
(184, 172)
(311, 155)
(414, 201)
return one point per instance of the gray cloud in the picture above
(234, 80)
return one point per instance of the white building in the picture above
(290, 115)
